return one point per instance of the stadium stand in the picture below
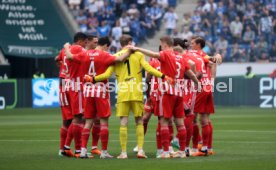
(140, 18)
(241, 30)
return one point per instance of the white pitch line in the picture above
(247, 131)
(134, 141)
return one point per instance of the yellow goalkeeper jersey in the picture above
(129, 76)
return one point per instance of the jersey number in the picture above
(178, 70)
(202, 65)
(91, 70)
(65, 64)
(128, 66)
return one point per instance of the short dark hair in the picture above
(168, 40)
(199, 40)
(125, 39)
(91, 37)
(104, 41)
(182, 43)
(79, 36)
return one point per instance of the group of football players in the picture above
(180, 82)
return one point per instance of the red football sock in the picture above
(195, 135)
(96, 129)
(171, 131)
(158, 137)
(165, 138)
(205, 134)
(181, 136)
(145, 124)
(85, 137)
(210, 143)
(77, 130)
(104, 136)
(70, 136)
(188, 121)
(63, 135)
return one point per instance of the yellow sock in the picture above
(140, 135)
(123, 137)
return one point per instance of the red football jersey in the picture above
(63, 69)
(95, 63)
(199, 57)
(75, 68)
(154, 92)
(174, 66)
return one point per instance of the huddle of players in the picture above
(167, 97)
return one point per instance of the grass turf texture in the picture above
(244, 138)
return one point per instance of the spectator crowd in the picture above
(139, 18)
(240, 30)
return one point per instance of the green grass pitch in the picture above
(244, 138)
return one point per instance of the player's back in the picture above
(96, 62)
(75, 68)
(129, 77)
(173, 66)
(63, 69)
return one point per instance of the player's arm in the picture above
(192, 65)
(192, 76)
(215, 59)
(106, 75)
(123, 57)
(57, 60)
(149, 53)
(71, 56)
(148, 79)
(213, 71)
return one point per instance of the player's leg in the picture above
(204, 121)
(85, 137)
(89, 115)
(77, 132)
(66, 120)
(63, 135)
(122, 111)
(104, 138)
(210, 143)
(188, 122)
(96, 129)
(148, 109)
(123, 137)
(137, 109)
(104, 112)
(171, 130)
(178, 113)
(166, 105)
(77, 122)
(181, 134)
(158, 139)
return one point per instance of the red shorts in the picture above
(76, 102)
(96, 107)
(204, 102)
(171, 105)
(65, 105)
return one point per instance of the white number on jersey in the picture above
(202, 65)
(178, 69)
(91, 70)
(65, 64)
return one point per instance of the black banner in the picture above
(31, 28)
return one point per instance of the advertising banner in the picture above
(45, 93)
(31, 28)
